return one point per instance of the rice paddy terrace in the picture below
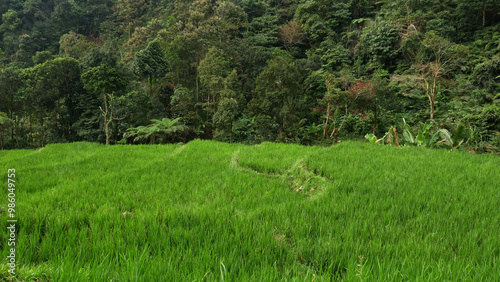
(207, 211)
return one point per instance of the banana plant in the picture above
(452, 142)
(425, 139)
(372, 138)
(390, 137)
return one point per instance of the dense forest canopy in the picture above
(299, 71)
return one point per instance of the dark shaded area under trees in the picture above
(297, 71)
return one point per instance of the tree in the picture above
(151, 63)
(381, 40)
(228, 19)
(52, 88)
(361, 8)
(430, 63)
(41, 57)
(322, 18)
(105, 81)
(74, 45)
(228, 107)
(336, 98)
(276, 95)
(487, 74)
(10, 23)
(344, 95)
(10, 84)
(98, 56)
(291, 34)
(5, 123)
(212, 71)
(142, 35)
(129, 13)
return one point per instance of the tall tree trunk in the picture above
(31, 130)
(325, 126)
(17, 137)
(106, 120)
(434, 89)
(12, 137)
(484, 13)
(106, 130)
(177, 74)
(215, 109)
(12, 118)
(231, 134)
(42, 137)
(105, 113)
(150, 85)
(197, 87)
(432, 110)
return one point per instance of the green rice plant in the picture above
(206, 211)
(223, 272)
(300, 179)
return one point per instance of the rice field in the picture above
(210, 211)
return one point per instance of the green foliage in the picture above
(5, 123)
(381, 40)
(373, 139)
(151, 63)
(390, 137)
(484, 123)
(74, 45)
(227, 109)
(157, 130)
(10, 82)
(322, 17)
(103, 79)
(276, 97)
(334, 54)
(425, 60)
(182, 103)
(96, 57)
(10, 21)
(212, 72)
(440, 138)
(52, 90)
(42, 57)
(4, 120)
(487, 75)
(244, 129)
(423, 138)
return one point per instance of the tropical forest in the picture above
(292, 71)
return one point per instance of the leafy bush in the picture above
(158, 130)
